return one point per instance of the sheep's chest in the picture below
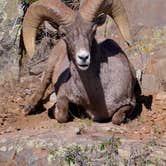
(88, 89)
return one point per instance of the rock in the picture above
(157, 66)
(150, 84)
(139, 75)
(53, 98)
(10, 30)
(146, 12)
(78, 131)
(3, 149)
(161, 68)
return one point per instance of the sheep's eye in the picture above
(62, 32)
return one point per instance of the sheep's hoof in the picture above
(61, 116)
(28, 109)
(118, 118)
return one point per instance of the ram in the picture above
(97, 76)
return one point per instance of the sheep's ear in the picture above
(100, 20)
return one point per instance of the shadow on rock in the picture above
(140, 101)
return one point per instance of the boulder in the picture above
(11, 15)
(157, 66)
(146, 12)
(150, 84)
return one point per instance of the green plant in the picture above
(75, 154)
(112, 144)
(29, 1)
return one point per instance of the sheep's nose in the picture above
(83, 57)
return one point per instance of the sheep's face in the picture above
(79, 37)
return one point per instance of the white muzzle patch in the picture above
(83, 59)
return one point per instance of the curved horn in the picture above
(90, 9)
(52, 10)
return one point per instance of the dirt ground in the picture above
(151, 122)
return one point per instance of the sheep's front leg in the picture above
(38, 95)
(61, 111)
(121, 114)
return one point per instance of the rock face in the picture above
(150, 83)
(10, 30)
(146, 12)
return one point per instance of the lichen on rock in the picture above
(11, 15)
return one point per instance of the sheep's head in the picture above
(78, 27)
(79, 37)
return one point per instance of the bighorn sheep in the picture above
(100, 77)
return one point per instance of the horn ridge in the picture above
(52, 10)
(90, 9)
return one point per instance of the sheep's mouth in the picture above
(83, 66)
